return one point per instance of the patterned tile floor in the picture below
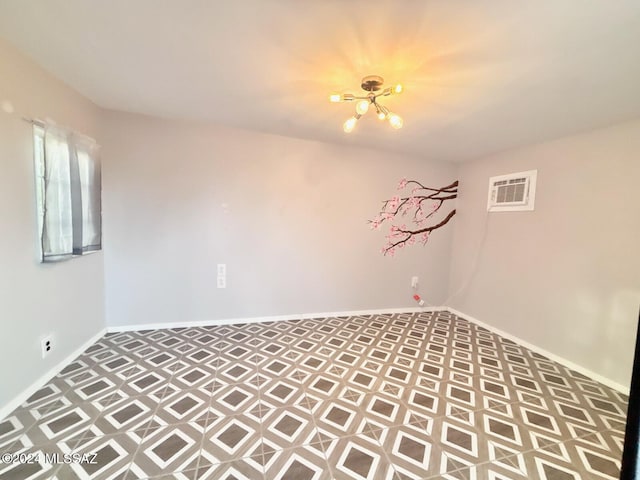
(413, 396)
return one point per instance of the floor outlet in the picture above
(46, 346)
(414, 282)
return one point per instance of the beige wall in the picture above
(565, 277)
(294, 235)
(64, 299)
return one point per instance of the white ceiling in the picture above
(480, 77)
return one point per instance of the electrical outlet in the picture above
(222, 282)
(222, 269)
(414, 282)
(46, 345)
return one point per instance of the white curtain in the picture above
(70, 206)
(89, 175)
(57, 228)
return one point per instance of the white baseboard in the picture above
(5, 410)
(273, 318)
(563, 361)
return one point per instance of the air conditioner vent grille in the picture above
(512, 192)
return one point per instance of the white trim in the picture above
(563, 361)
(46, 378)
(273, 318)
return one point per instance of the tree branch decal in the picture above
(420, 208)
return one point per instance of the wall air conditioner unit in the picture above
(516, 191)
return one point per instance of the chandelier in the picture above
(373, 85)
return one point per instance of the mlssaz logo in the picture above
(57, 458)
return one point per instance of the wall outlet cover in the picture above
(46, 345)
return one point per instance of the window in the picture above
(67, 192)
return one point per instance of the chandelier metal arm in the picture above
(386, 92)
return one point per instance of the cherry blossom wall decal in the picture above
(418, 212)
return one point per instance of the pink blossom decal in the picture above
(420, 208)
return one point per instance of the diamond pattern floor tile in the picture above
(404, 396)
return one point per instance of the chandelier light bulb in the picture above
(350, 124)
(362, 107)
(382, 111)
(395, 121)
(335, 98)
(398, 89)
